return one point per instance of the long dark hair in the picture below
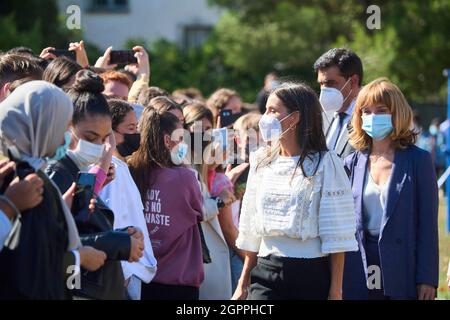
(309, 132)
(195, 111)
(60, 71)
(152, 152)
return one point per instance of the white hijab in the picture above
(34, 119)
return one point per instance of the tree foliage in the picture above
(412, 47)
(255, 37)
(33, 23)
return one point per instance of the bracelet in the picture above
(11, 205)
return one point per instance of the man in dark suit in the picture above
(339, 73)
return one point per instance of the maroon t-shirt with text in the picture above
(172, 210)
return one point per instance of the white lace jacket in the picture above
(278, 203)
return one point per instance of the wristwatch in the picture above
(220, 203)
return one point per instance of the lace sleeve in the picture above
(337, 219)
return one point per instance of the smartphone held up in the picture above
(64, 53)
(122, 57)
(83, 194)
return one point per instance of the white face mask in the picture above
(87, 153)
(270, 128)
(332, 99)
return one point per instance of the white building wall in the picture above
(147, 19)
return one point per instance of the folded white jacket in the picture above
(123, 198)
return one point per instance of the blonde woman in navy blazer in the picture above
(396, 202)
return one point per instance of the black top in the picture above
(96, 231)
(36, 269)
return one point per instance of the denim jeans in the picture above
(236, 265)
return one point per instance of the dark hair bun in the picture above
(88, 81)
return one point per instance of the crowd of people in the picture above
(298, 196)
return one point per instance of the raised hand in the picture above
(103, 61)
(82, 58)
(46, 54)
(143, 65)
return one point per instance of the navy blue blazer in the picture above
(408, 241)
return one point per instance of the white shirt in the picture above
(374, 200)
(334, 134)
(293, 216)
(123, 198)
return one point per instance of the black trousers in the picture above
(158, 291)
(281, 278)
(373, 259)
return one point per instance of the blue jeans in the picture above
(236, 265)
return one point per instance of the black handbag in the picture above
(205, 250)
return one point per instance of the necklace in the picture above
(376, 157)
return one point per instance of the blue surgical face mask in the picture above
(179, 153)
(61, 150)
(377, 126)
(433, 130)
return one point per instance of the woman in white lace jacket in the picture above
(297, 217)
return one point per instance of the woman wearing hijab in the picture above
(33, 122)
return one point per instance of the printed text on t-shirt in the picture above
(153, 209)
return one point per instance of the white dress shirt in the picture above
(334, 133)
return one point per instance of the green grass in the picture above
(444, 251)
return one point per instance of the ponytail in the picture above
(152, 152)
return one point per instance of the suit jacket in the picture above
(408, 240)
(343, 147)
